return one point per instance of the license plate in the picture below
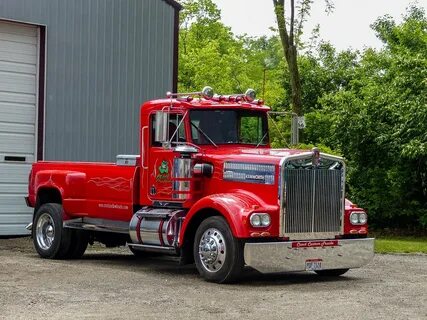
(313, 264)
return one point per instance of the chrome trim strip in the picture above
(29, 226)
(147, 247)
(269, 257)
(104, 225)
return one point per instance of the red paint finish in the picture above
(88, 189)
(110, 191)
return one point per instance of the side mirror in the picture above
(161, 131)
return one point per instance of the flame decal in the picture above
(118, 184)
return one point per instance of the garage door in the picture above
(18, 84)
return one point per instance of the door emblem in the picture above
(164, 167)
(163, 175)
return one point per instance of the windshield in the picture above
(229, 126)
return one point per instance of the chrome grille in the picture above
(313, 199)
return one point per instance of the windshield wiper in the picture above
(262, 139)
(204, 134)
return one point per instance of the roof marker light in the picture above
(207, 93)
(250, 95)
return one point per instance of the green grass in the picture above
(400, 244)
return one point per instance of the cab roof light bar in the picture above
(208, 94)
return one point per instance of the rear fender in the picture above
(69, 184)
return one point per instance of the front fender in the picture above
(235, 207)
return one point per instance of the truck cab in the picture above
(207, 187)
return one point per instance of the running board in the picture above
(151, 248)
(103, 225)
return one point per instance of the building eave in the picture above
(176, 5)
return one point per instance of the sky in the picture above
(348, 26)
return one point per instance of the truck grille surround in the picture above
(312, 200)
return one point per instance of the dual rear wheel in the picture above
(53, 241)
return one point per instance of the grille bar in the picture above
(313, 201)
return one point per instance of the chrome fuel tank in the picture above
(156, 226)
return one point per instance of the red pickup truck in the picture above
(208, 188)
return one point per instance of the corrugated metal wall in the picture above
(104, 58)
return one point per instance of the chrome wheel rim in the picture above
(212, 250)
(45, 231)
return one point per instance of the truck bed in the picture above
(88, 189)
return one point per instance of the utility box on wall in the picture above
(73, 74)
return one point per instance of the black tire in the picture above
(50, 239)
(331, 273)
(79, 242)
(218, 271)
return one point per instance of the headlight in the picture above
(260, 220)
(265, 220)
(358, 218)
(363, 218)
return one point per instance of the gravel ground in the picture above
(113, 284)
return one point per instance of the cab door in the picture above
(161, 160)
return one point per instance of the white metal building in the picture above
(19, 49)
(73, 74)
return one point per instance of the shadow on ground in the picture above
(152, 263)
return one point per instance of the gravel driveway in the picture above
(113, 284)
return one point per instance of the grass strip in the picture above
(401, 245)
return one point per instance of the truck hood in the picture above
(258, 155)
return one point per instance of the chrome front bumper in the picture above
(292, 256)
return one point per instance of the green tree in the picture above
(378, 120)
(290, 28)
(210, 54)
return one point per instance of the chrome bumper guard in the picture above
(269, 257)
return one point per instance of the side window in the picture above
(251, 130)
(174, 122)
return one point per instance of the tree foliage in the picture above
(370, 106)
(378, 120)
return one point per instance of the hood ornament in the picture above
(316, 157)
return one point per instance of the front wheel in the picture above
(217, 254)
(332, 272)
